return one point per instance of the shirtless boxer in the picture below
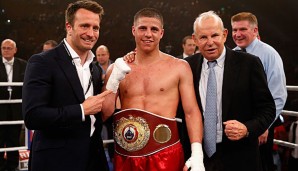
(145, 131)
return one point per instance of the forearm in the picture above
(195, 132)
(108, 107)
(194, 127)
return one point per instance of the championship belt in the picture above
(141, 133)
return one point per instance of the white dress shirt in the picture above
(9, 71)
(219, 70)
(84, 76)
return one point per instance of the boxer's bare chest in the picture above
(150, 80)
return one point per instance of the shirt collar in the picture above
(184, 55)
(250, 47)
(6, 61)
(76, 57)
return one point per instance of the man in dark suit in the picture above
(189, 47)
(61, 99)
(245, 107)
(12, 69)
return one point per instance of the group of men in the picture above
(12, 69)
(225, 97)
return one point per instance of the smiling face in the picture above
(147, 32)
(244, 33)
(84, 32)
(210, 38)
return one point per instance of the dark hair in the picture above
(186, 38)
(53, 43)
(149, 12)
(86, 4)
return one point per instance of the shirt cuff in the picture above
(83, 114)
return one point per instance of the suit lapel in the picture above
(3, 75)
(197, 78)
(230, 77)
(96, 79)
(69, 70)
(16, 71)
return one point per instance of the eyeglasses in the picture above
(7, 48)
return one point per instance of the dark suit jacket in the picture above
(246, 98)
(180, 56)
(52, 94)
(10, 112)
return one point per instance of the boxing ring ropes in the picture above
(278, 142)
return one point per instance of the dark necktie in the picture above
(241, 50)
(210, 115)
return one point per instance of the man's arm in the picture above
(109, 104)
(277, 85)
(263, 108)
(114, 75)
(276, 81)
(193, 117)
(48, 104)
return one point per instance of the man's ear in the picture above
(133, 29)
(68, 28)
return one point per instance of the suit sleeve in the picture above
(40, 111)
(262, 100)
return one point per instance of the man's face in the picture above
(189, 47)
(210, 38)
(243, 33)
(102, 56)
(84, 33)
(8, 50)
(147, 32)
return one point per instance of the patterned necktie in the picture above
(210, 115)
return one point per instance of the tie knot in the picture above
(211, 64)
(9, 62)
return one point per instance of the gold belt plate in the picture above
(131, 133)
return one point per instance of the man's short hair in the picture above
(245, 16)
(85, 4)
(53, 43)
(149, 12)
(185, 39)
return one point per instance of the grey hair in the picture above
(207, 15)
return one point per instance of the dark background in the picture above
(32, 22)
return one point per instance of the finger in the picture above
(105, 93)
(228, 122)
(185, 168)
